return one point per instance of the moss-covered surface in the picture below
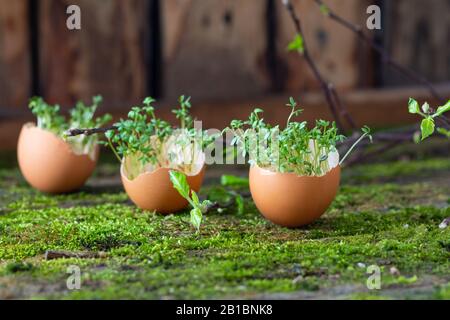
(385, 214)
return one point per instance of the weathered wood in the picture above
(417, 35)
(107, 56)
(15, 70)
(54, 254)
(214, 48)
(336, 51)
(376, 108)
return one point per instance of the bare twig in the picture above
(52, 254)
(88, 131)
(411, 74)
(328, 89)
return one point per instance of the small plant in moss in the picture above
(81, 116)
(292, 148)
(179, 182)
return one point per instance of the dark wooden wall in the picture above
(214, 50)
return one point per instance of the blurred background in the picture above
(229, 55)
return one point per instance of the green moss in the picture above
(154, 256)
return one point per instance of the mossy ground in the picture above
(385, 214)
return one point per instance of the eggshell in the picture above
(49, 164)
(154, 191)
(290, 200)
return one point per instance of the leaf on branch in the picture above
(444, 132)
(442, 109)
(297, 44)
(325, 10)
(427, 127)
(413, 106)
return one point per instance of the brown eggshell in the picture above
(48, 163)
(290, 200)
(154, 191)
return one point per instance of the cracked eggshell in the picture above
(49, 164)
(154, 191)
(290, 200)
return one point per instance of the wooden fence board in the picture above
(214, 48)
(418, 36)
(107, 56)
(334, 49)
(15, 70)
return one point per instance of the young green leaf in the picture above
(324, 9)
(195, 198)
(442, 109)
(427, 127)
(196, 218)
(413, 106)
(297, 44)
(179, 182)
(444, 132)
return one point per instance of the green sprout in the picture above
(144, 139)
(428, 125)
(180, 183)
(295, 148)
(81, 116)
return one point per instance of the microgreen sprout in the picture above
(366, 133)
(428, 125)
(295, 148)
(180, 183)
(144, 142)
(81, 116)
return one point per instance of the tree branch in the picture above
(330, 94)
(411, 74)
(88, 131)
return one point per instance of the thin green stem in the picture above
(114, 150)
(353, 147)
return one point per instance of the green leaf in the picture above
(196, 218)
(442, 109)
(195, 198)
(444, 132)
(324, 9)
(413, 106)
(297, 44)
(427, 127)
(179, 182)
(229, 180)
(109, 134)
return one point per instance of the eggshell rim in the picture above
(268, 172)
(32, 125)
(157, 169)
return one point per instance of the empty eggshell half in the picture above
(154, 191)
(49, 163)
(291, 200)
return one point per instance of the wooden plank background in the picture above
(107, 56)
(421, 39)
(15, 72)
(215, 48)
(222, 52)
(335, 50)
